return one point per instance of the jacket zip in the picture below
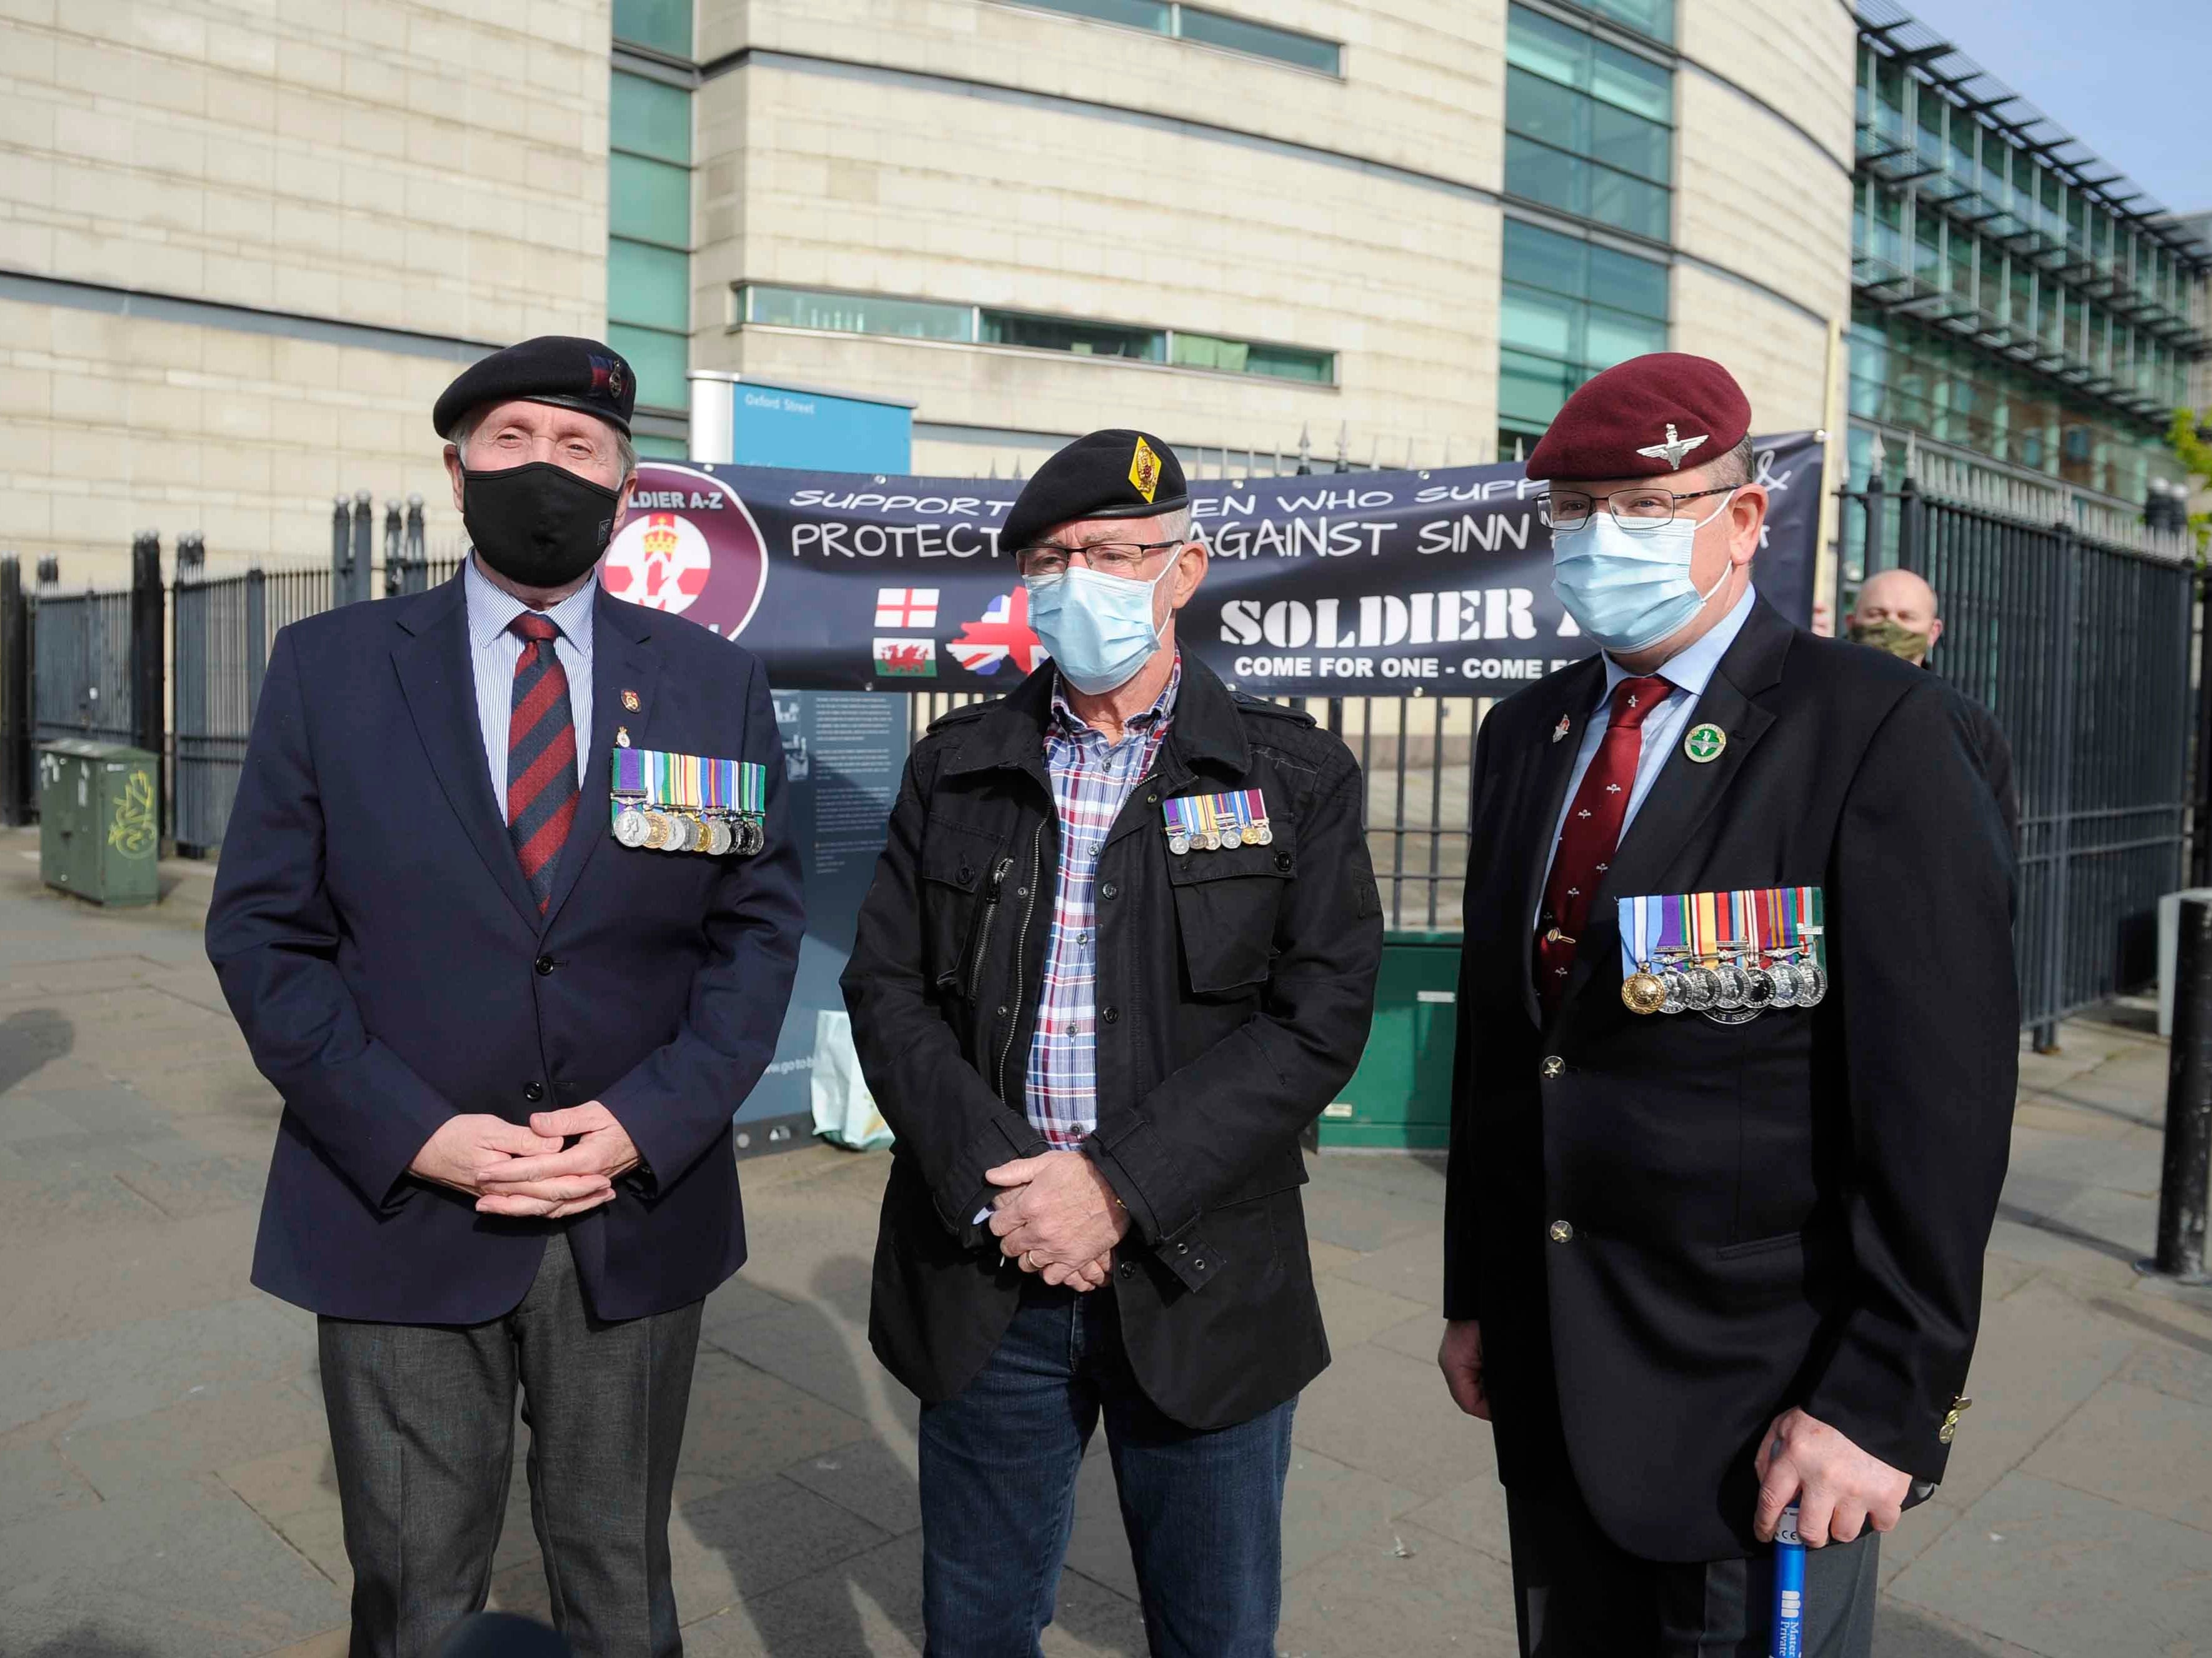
(1021, 956)
(983, 934)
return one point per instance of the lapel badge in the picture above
(621, 737)
(631, 703)
(1704, 743)
(1560, 730)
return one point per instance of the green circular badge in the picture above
(1704, 743)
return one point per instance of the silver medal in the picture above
(1812, 983)
(1784, 977)
(631, 827)
(1671, 982)
(1179, 844)
(719, 838)
(1729, 981)
(1260, 835)
(1700, 987)
(1232, 837)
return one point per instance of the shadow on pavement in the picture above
(29, 1038)
(90, 1641)
(1901, 1633)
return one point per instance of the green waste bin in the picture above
(100, 821)
(1400, 1097)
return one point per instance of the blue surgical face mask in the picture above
(1099, 627)
(1628, 590)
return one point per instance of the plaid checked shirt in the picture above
(1092, 781)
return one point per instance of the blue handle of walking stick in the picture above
(1789, 1589)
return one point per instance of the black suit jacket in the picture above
(389, 967)
(1789, 1211)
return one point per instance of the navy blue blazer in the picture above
(389, 967)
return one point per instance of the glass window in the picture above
(659, 360)
(1532, 388)
(1204, 351)
(647, 118)
(648, 285)
(1586, 123)
(1655, 18)
(1156, 16)
(1553, 338)
(1292, 362)
(1532, 321)
(1628, 284)
(1260, 40)
(1632, 82)
(663, 25)
(858, 313)
(652, 447)
(648, 200)
(1614, 337)
(1544, 258)
(1084, 339)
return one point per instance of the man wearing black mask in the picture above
(508, 913)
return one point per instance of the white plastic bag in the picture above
(844, 1111)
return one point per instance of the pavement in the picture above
(166, 1485)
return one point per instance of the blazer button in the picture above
(1283, 862)
(1110, 1015)
(1109, 890)
(1554, 1065)
(534, 1092)
(1128, 1269)
(1561, 1232)
(544, 965)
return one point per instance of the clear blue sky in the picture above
(2129, 78)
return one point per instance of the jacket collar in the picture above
(1207, 733)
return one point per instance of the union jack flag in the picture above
(1003, 635)
(905, 607)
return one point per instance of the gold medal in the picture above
(1642, 992)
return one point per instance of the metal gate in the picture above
(80, 650)
(2080, 646)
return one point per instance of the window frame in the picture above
(1176, 9)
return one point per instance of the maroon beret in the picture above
(1665, 412)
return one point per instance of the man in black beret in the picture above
(1120, 951)
(509, 1041)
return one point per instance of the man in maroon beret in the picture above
(1736, 1057)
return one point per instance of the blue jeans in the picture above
(1203, 1511)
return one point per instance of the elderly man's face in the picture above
(1896, 612)
(514, 434)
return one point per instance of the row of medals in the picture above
(657, 829)
(1731, 987)
(1255, 834)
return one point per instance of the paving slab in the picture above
(874, 1479)
(154, 1363)
(2138, 1447)
(827, 1357)
(1389, 1414)
(1400, 1589)
(1412, 1268)
(746, 1424)
(1353, 1313)
(2063, 1573)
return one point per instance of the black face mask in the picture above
(538, 525)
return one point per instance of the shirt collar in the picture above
(1066, 722)
(1690, 668)
(492, 608)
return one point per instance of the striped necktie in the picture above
(541, 755)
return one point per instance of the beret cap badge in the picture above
(1144, 470)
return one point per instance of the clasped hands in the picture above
(1056, 1214)
(524, 1172)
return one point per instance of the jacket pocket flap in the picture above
(959, 854)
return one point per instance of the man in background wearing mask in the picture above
(508, 1043)
(1736, 1065)
(1120, 951)
(1896, 611)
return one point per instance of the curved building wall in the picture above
(987, 155)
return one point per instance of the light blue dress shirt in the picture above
(494, 651)
(1689, 671)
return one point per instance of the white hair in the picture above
(465, 428)
(1175, 526)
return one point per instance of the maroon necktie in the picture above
(1590, 835)
(541, 755)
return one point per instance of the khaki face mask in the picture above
(1892, 636)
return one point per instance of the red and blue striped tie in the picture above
(541, 755)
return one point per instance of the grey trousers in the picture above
(1577, 1594)
(422, 1429)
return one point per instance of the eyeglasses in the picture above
(1120, 558)
(1638, 510)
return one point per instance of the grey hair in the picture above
(465, 428)
(1174, 525)
(1735, 468)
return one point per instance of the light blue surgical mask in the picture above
(1099, 627)
(1627, 589)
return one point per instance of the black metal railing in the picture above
(2080, 646)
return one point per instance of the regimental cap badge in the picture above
(1675, 448)
(1144, 470)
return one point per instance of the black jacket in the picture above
(1234, 992)
(1787, 1212)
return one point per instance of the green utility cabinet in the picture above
(100, 821)
(1400, 1096)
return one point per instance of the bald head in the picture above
(1896, 612)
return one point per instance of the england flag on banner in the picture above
(905, 607)
(1003, 635)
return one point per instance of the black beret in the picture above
(555, 369)
(1115, 474)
